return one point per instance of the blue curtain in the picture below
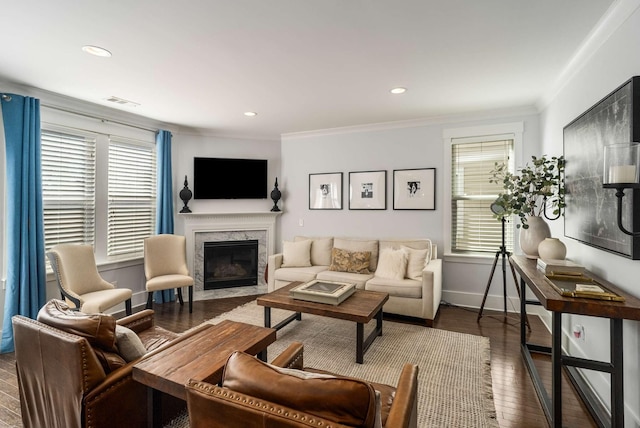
(164, 210)
(26, 280)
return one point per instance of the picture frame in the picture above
(368, 190)
(591, 212)
(414, 189)
(325, 191)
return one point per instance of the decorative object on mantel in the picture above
(552, 249)
(591, 216)
(185, 195)
(528, 194)
(275, 197)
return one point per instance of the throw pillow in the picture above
(350, 261)
(360, 245)
(296, 254)
(320, 250)
(130, 346)
(417, 260)
(392, 264)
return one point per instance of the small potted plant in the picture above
(532, 190)
(528, 194)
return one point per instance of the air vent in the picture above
(122, 101)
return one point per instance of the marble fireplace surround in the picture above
(210, 227)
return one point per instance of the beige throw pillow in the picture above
(350, 261)
(392, 264)
(416, 261)
(130, 347)
(320, 250)
(296, 254)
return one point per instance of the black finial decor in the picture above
(275, 196)
(185, 195)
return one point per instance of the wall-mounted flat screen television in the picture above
(225, 178)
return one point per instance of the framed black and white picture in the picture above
(591, 213)
(325, 191)
(368, 190)
(414, 189)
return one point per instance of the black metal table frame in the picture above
(362, 344)
(552, 406)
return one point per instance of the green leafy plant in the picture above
(529, 192)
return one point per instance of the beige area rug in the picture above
(454, 385)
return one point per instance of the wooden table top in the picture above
(361, 306)
(554, 301)
(200, 355)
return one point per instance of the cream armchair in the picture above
(81, 286)
(165, 266)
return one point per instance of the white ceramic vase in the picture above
(530, 238)
(552, 249)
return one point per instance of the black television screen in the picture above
(224, 178)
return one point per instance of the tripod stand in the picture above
(505, 256)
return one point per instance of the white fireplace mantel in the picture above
(209, 223)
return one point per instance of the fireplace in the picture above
(230, 264)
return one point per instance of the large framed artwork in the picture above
(368, 190)
(325, 191)
(591, 212)
(414, 189)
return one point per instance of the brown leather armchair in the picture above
(70, 373)
(253, 394)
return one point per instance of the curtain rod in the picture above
(98, 118)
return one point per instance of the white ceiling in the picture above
(302, 65)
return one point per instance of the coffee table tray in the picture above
(318, 291)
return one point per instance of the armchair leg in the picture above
(191, 299)
(180, 296)
(127, 305)
(149, 300)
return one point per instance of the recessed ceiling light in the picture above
(250, 113)
(96, 50)
(398, 90)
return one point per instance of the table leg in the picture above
(262, 355)
(556, 369)
(617, 378)
(154, 408)
(267, 316)
(360, 343)
(379, 322)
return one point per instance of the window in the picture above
(132, 196)
(68, 187)
(474, 229)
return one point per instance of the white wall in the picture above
(614, 62)
(396, 146)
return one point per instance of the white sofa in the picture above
(414, 292)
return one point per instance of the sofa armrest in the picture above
(432, 287)
(404, 409)
(139, 321)
(291, 358)
(274, 262)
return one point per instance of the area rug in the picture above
(454, 381)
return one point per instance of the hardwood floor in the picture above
(515, 398)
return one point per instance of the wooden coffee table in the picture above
(199, 355)
(361, 308)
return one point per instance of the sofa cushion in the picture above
(392, 264)
(360, 245)
(350, 261)
(296, 254)
(359, 279)
(320, 250)
(304, 274)
(339, 399)
(130, 346)
(416, 261)
(410, 288)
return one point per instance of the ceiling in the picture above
(302, 65)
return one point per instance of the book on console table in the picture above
(318, 291)
(559, 267)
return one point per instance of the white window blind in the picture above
(132, 195)
(68, 187)
(473, 227)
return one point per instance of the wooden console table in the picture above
(552, 301)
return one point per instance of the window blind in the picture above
(68, 187)
(473, 226)
(132, 196)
